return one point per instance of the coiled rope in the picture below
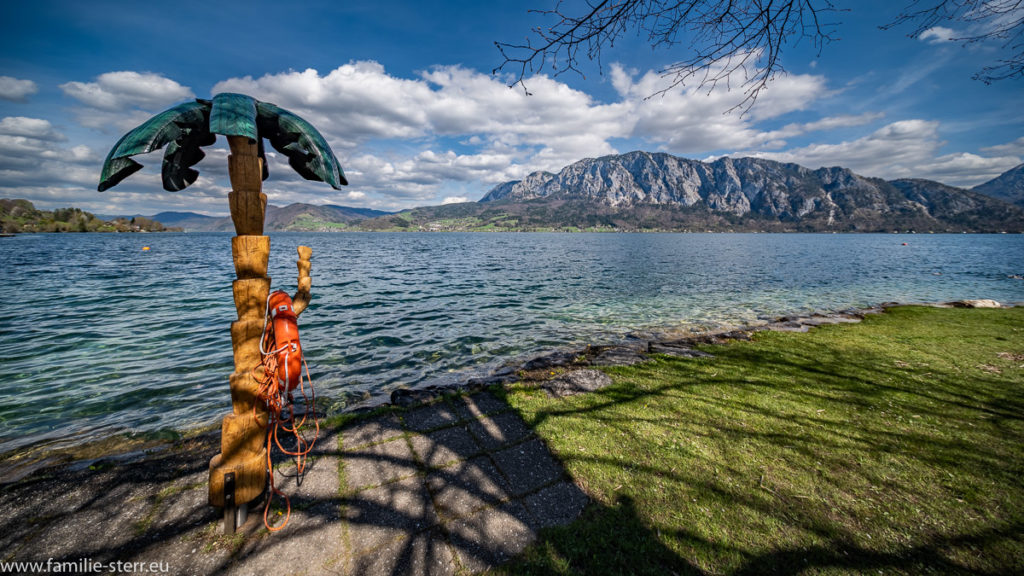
(281, 412)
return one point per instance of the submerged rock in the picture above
(678, 351)
(550, 361)
(975, 304)
(619, 356)
(786, 326)
(494, 379)
(405, 398)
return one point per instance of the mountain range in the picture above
(657, 191)
(294, 217)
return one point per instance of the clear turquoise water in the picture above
(100, 337)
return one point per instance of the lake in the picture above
(103, 337)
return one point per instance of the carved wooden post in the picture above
(243, 446)
(238, 474)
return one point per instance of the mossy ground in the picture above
(891, 446)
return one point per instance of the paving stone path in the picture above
(455, 487)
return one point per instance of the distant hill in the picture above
(188, 221)
(22, 216)
(654, 191)
(292, 218)
(1008, 186)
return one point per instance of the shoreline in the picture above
(633, 348)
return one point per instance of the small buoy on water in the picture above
(903, 244)
(144, 248)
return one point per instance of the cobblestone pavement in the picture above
(455, 487)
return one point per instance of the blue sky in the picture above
(403, 92)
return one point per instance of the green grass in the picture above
(891, 446)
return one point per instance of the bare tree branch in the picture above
(739, 43)
(1000, 21)
(729, 41)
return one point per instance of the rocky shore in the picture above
(565, 371)
(561, 372)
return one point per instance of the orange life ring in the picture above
(286, 339)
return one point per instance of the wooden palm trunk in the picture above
(238, 474)
(243, 448)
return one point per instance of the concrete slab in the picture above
(497, 431)
(378, 516)
(430, 417)
(446, 446)
(478, 405)
(491, 537)
(371, 431)
(465, 489)
(311, 543)
(425, 553)
(377, 464)
(455, 487)
(527, 466)
(556, 505)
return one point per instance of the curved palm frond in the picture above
(307, 151)
(235, 115)
(185, 127)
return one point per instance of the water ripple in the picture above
(108, 338)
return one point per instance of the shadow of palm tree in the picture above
(803, 469)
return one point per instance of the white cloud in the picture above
(120, 101)
(360, 102)
(451, 133)
(15, 90)
(34, 128)
(690, 120)
(842, 121)
(454, 200)
(937, 35)
(890, 152)
(31, 151)
(904, 149)
(965, 169)
(1015, 148)
(115, 91)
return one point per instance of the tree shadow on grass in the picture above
(847, 463)
(800, 480)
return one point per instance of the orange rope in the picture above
(273, 397)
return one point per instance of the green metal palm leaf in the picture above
(186, 128)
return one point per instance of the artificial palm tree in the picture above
(238, 473)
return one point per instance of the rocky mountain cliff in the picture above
(1008, 186)
(744, 189)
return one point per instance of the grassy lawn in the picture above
(891, 446)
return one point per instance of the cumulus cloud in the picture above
(903, 149)
(360, 102)
(1015, 148)
(33, 151)
(115, 91)
(890, 152)
(937, 35)
(454, 200)
(842, 121)
(692, 120)
(450, 133)
(15, 90)
(120, 101)
(31, 128)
